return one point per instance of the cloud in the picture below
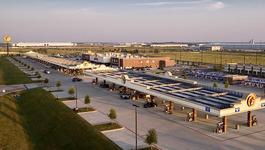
(189, 4)
(170, 3)
(216, 5)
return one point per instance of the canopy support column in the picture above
(194, 114)
(224, 124)
(171, 107)
(249, 119)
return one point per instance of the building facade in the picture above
(144, 62)
(128, 61)
(44, 44)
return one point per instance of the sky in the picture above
(132, 20)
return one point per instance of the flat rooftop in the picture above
(215, 101)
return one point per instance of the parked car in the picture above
(47, 71)
(150, 104)
(125, 96)
(104, 85)
(75, 79)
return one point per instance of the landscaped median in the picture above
(112, 126)
(49, 124)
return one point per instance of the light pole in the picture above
(76, 98)
(135, 110)
(7, 40)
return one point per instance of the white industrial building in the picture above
(210, 47)
(169, 45)
(44, 44)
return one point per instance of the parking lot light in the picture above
(135, 109)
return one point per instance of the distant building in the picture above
(128, 61)
(44, 44)
(100, 58)
(142, 62)
(124, 45)
(210, 48)
(246, 46)
(169, 45)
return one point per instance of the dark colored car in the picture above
(104, 85)
(76, 79)
(150, 104)
(47, 71)
(125, 96)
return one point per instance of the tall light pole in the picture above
(76, 98)
(7, 40)
(135, 110)
(201, 57)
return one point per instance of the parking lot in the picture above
(173, 131)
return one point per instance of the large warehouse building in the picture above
(129, 61)
(44, 44)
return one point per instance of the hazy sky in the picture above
(133, 20)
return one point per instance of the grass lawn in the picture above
(67, 99)
(85, 109)
(107, 126)
(149, 148)
(12, 133)
(215, 57)
(10, 74)
(52, 125)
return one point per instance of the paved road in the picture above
(173, 132)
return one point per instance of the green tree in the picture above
(112, 114)
(87, 100)
(58, 84)
(185, 76)
(215, 85)
(151, 137)
(71, 91)
(227, 84)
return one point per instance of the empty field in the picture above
(216, 57)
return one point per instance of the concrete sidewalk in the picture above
(123, 137)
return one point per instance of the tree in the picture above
(227, 84)
(214, 85)
(58, 84)
(185, 76)
(87, 100)
(71, 91)
(151, 137)
(112, 114)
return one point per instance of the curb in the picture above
(113, 130)
(87, 112)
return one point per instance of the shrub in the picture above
(71, 91)
(112, 115)
(151, 137)
(215, 85)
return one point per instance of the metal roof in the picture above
(178, 91)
